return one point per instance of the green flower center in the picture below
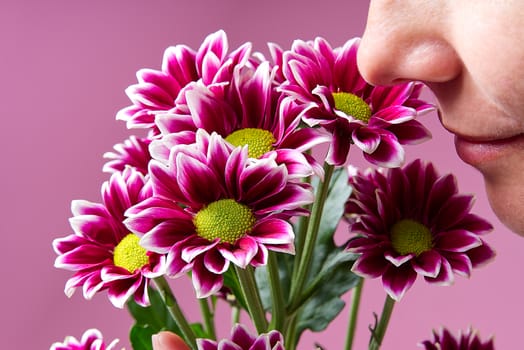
(352, 105)
(224, 219)
(129, 254)
(258, 141)
(411, 237)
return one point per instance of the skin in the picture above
(470, 54)
(168, 341)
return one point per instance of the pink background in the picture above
(64, 65)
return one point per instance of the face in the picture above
(471, 54)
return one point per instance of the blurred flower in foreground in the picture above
(91, 340)
(378, 120)
(241, 339)
(465, 341)
(102, 251)
(410, 221)
(213, 205)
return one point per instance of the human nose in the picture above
(407, 40)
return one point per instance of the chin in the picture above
(507, 202)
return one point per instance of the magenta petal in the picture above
(215, 262)
(481, 255)
(427, 263)
(389, 153)
(457, 241)
(370, 265)
(273, 231)
(397, 280)
(460, 263)
(205, 282)
(397, 259)
(445, 276)
(366, 139)
(206, 344)
(121, 291)
(241, 252)
(242, 337)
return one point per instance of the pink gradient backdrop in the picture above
(64, 66)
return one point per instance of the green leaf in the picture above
(330, 276)
(140, 337)
(154, 316)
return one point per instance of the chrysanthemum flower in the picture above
(378, 120)
(242, 339)
(212, 206)
(91, 340)
(247, 111)
(156, 91)
(133, 152)
(103, 253)
(468, 340)
(410, 221)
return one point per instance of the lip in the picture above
(481, 151)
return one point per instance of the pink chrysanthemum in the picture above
(133, 152)
(242, 339)
(378, 120)
(91, 340)
(156, 91)
(102, 251)
(246, 111)
(213, 205)
(468, 340)
(410, 222)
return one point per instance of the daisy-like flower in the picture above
(378, 120)
(156, 91)
(212, 206)
(102, 252)
(133, 152)
(247, 111)
(410, 221)
(91, 340)
(468, 340)
(242, 339)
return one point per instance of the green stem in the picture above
(311, 236)
(380, 330)
(209, 318)
(291, 334)
(252, 297)
(355, 304)
(279, 307)
(174, 311)
(235, 315)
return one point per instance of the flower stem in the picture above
(311, 236)
(252, 297)
(235, 315)
(209, 318)
(380, 330)
(174, 311)
(279, 307)
(355, 304)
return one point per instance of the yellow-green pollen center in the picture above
(225, 219)
(411, 237)
(129, 254)
(352, 105)
(258, 141)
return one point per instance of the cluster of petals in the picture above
(91, 340)
(242, 339)
(157, 90)
(249, 100)
(468, 340)
(381, 199)
(133, 152)
(98, 229)
(314, 72)
(205, 172)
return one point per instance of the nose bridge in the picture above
(405, 40)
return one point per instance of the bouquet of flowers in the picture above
(240, 184)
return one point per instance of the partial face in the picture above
(471, 54)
